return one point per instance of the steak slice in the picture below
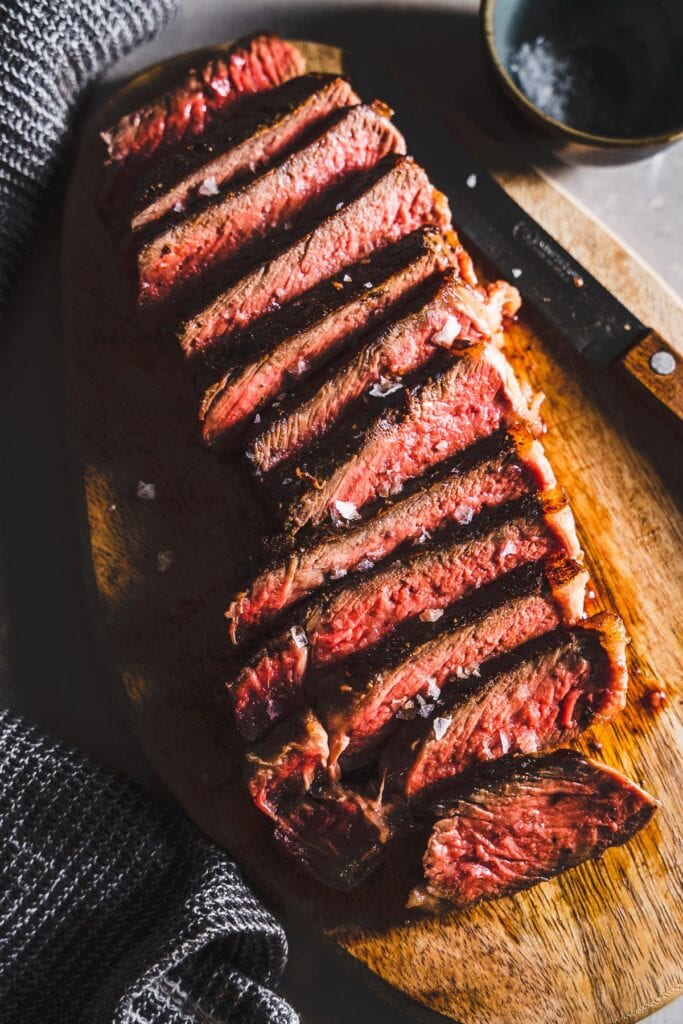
(198, 98)
(227, 225)
(552, 691)
(244, 144)
(336, 833)
(295, 341)
(475, 394)
(451, 315)
(497, 471)
(362, 703)
(351, 618)
(393, 200)
(526, 820)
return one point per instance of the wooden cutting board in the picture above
(601, 945)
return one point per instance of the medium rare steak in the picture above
(352, 617)
(243, 144)
(499, 470)
(196, 100)
(336, 833)
(362, 703)
(526, 820)
(451, 315)
(291, 343)
(393, 200)
(472, 396)
(553, 690)
(228, 224)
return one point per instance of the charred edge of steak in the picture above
(526, 820)
(524, 702)
(261, 131)
(289, 345)
(337, 834)
(356, 615)
(450, 408)
(232, 223)
(374, 210)
(495, 471)
(197, 98)
(449, 315)
(366, 700)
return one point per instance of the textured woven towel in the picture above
(114, 908)
(50, 52)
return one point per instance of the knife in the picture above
(569, 300)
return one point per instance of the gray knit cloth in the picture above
(50, 52)
(115, 908)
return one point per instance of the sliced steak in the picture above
(475, 394)
(350, 618)
(363, 703)
(526, 820)
(254, 137)
(227, 225)
(497, 471)
(290, 344)
(552, 691)
(451, 315)
(196, 100)
(337, 834)
(395, 199)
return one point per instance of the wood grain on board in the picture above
(601, 945)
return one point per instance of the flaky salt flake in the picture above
(368, 284)
(441, 446)
(508, 548)
(347, 279)
(516, 272)
(147, 492)
(504, 741)
(448, 333)
(347, 510)
(433, 690)
(384, 386)
(440, 727)
(431, 615)
(424, 537)
(339, 206)
(299, 636)
(209, 187)
(337, 574)
(423, 707)
(178, 207)
(471, 181)
(463, 516)
(301, 367)
(165, 560)
(257, 417)
(365, 564)
(112, 508)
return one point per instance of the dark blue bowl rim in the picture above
(486, 14)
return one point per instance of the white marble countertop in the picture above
(61, 680)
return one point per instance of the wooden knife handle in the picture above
(657, 369)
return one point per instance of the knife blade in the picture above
(568, 299)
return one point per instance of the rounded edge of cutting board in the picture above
(550, 955)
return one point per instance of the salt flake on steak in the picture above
(433, 690)
(347, 510)
(448, 333)
(431, 615)
(299, 636)
(440, 727)
(384, 387)
(209, 187)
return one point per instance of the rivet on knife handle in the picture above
(658, 368)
